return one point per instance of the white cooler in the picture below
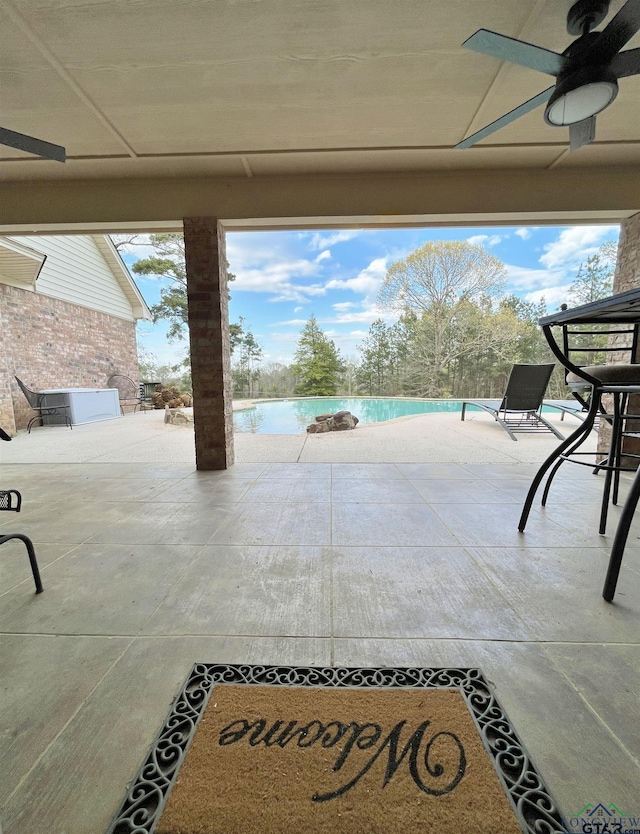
(86, 405)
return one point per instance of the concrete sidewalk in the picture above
(429, 438)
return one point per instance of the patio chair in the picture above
(128, 391)
(577, 407)
(519, 408)
(147, 389)
(11, 501)
(50, 408)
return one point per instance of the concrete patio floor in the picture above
(325, 550)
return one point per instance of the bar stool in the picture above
(566, 336)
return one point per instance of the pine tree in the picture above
(317, 365)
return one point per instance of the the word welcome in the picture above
(419, 748)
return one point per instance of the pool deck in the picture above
(391, 545)
(436, 438)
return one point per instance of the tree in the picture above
(594, 280)
(276, 379)
(150, 369)
(595, 277)
(376, 366)
(445, 285)
(167, 263)
(317, 365)
(249, 352)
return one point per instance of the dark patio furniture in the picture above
(565, 332)
(147, 390)
(519, 408)
(11, 501)
(128, 391)
(578, 407)
(50, 408)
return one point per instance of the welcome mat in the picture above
(331, 750)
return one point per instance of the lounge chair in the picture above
(519, 408)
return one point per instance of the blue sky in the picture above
(284, 277)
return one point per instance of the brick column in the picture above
(626, 277)
(208, 302)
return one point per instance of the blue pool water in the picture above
(293, 416)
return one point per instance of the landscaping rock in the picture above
(340, 421)
(177, 417)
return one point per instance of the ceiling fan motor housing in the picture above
(580, 94)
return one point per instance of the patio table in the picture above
(622, 309)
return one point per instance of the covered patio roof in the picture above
(270, 113)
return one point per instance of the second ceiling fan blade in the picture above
(615, 34)
(534, 102)
(626, 63)
(516, 52)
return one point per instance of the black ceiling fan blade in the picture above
(503, 121)
(615, 35)
(581, 133)
(39, 147)
(516, 52)
(626, 63)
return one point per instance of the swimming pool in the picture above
(293, 416)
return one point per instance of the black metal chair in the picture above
(11, 501)
(128, 391)
(48, 406)
(519, 408)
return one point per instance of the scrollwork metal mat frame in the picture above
(146, 796)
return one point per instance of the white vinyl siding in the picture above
(76, 272)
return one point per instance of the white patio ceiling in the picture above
(249, 89)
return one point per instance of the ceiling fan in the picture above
(586, 73)
(32, 145)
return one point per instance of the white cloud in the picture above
(525, 278)
(297, 309)
(323, 256)
(326, 240)
(367, 316)
(554, 296)
(290, 322)
(525, 234)
(343, 305)
(367, 282)
(575, 245)
(484, 240)
(280, 278)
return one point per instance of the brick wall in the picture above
(209, 338)
(50, 343)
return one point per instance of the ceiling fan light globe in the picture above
(581, 95)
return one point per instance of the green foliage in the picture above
(168, 263)
(150, 369)
(595, 276)
(318, 366)
(247, 354)
(447, 288)
(594, 280)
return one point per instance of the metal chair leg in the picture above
(613, 460)
(32, 557)
(578, 436)
(620, 539)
